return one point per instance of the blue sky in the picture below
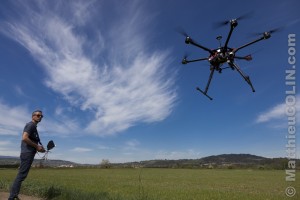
(109, 79)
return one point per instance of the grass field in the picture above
(153, 184)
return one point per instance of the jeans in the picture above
(26, 161)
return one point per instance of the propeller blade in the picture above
(274, 30)
(186, 55)
(245, 16)
(220, 24)
(225, 22)
(181, 31)
(184, 61)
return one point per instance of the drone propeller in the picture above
(189, 40)
(275, 30)
(181, 31)
(184, 60)
(245, 16)
(225, 22)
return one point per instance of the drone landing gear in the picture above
(205, 93)
(212, 70)
(247, 78)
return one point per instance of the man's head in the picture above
(37, 116)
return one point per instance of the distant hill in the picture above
(12, 162)
(234, 159)
(4, 157)
(227, 161)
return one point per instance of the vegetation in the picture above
(152, 184)
(225, 161)
(224, 177)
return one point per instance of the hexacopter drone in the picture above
(224, 54)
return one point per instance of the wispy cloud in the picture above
(127, 84)
(12, 119)
(5, 143)
(5, 148)
(187, 154)
(104, 147)
(19, 91)
(277, 112)
(81, 150)
(131, 145)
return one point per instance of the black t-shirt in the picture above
(30, 128)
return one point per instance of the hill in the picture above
(229, 161)
(216, 161)
(14, 162)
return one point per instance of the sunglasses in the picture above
(38, 115)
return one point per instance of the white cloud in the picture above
(12, 119)
(8, 149)
(103, 147)
(19, 90)
(81, 149)
(131, 145)
(175, 155)
(5, 143)
(129, 85)
(277, 112)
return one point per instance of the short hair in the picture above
(36, 111)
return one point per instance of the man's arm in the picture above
(28, 141)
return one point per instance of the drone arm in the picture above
(228, 37)
(185, 61)
(248, 57)
(189, 40)
(250, 43)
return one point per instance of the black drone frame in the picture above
(223, 55)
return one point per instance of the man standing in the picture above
(29, 146)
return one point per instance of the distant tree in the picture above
(105, 163)
(41, 164)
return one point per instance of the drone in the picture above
(224, 54)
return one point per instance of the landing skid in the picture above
(247, 78)
(204, 93)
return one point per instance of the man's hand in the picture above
(28, 141)
(40, 149)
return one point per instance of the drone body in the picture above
(224, 54)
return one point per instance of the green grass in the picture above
(153, 184)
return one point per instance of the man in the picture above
(29, 146)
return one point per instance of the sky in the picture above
(109, 80)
